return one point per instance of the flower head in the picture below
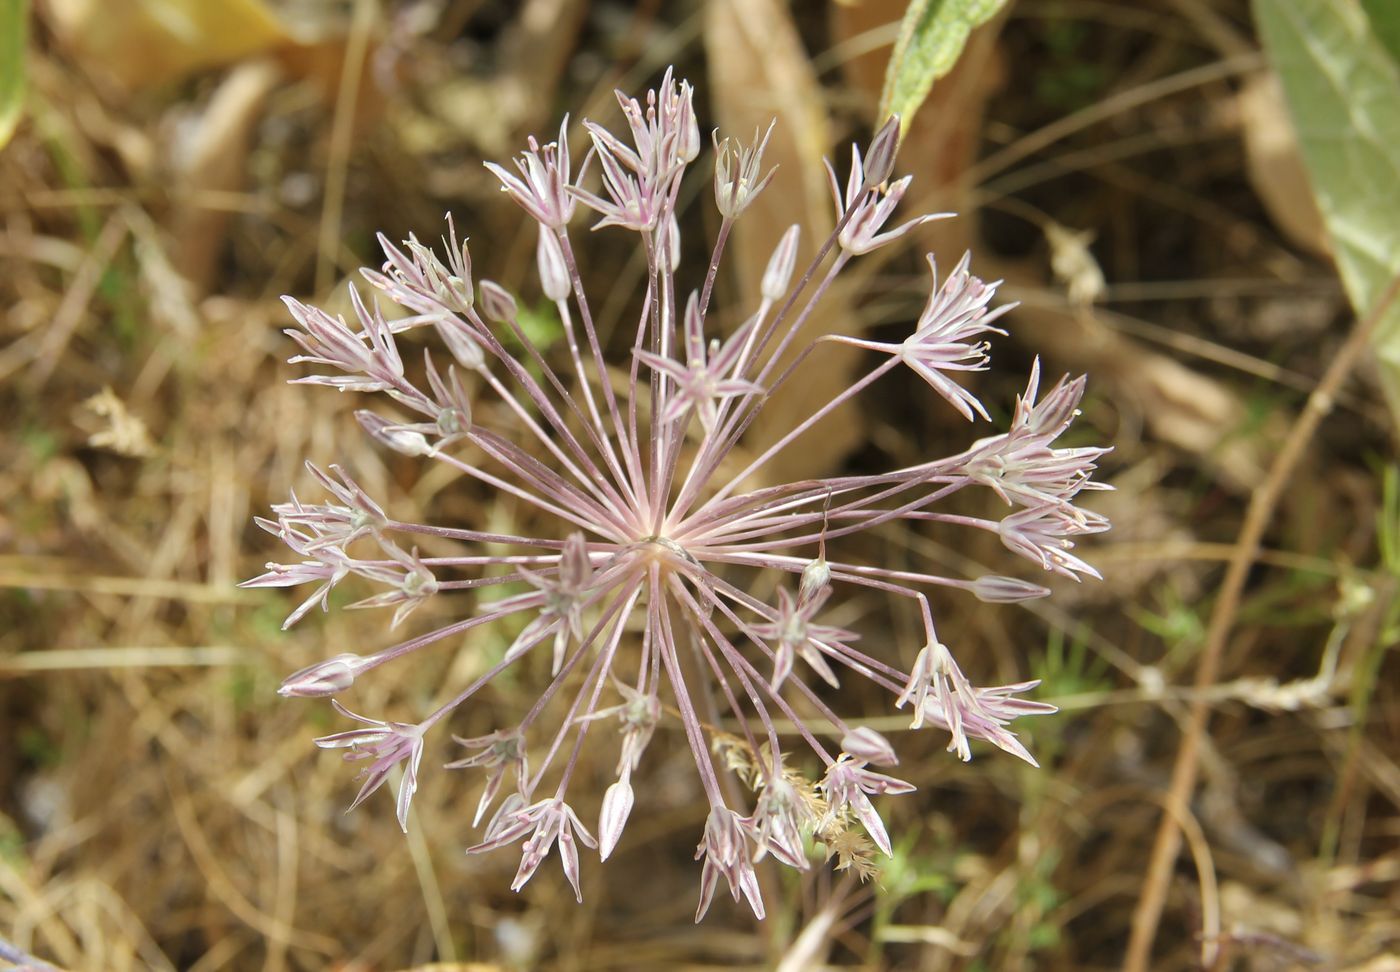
(649, 547)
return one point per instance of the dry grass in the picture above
(161, 808)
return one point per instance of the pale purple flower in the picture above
(1020, 466)
(548, 822)
(497, 752)
(739, 175)
(327, 571)
(435, 291)
(700, 384)
(868, 204)
(1043, 534)
(725, 852)
(369, 357)
(660, 583)
(309, 528)
(984, 713)
(780, 817)
(637, 715)
(564, 597)
(792, 634)
(944, 697)
(386, 745)
(849, 785)
(409, 580)
(948, 335)
(543, 188)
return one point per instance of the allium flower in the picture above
(387, 744)
(667, 577)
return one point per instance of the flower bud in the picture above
(815, 578)
(673, 243)
(869, 745)
(461, 342)
(323, 678)
(688, 129)
(879, 158)
(780, 265)
(617, 806)
(995, 589)
(392, 436)
(497, 303)
(554, 275)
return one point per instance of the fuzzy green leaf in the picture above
(931, 38)
(14, 34)
(1343, 91)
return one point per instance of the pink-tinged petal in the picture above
(568, 858)
(874, 826)
(709, 878)
(917, 687)
(748, 883)
(408, 786)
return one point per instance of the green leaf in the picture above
(1385, 21)
(930, 39)
(14, 35)
(1343, 91)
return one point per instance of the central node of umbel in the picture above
(663, 550)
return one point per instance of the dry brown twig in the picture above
(1167, 843)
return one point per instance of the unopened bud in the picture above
(461, 342)
(688, 129)
(869, 745)
(781, 264)
(612, 818)
(995, 589)
(392, 436)
(815, 577)
(575, 566)
(554, 275)
(323, 678)
(673, 242)
(497, 303)
(879, 158)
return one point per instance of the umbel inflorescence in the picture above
(638, 589)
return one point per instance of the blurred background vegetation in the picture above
(1134, 171)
